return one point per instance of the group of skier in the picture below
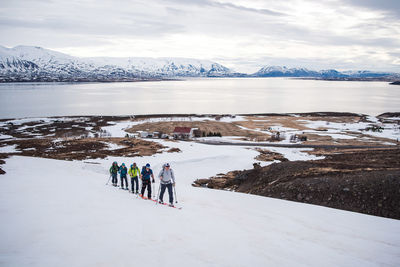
(166, 176)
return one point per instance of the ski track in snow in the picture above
(60, 213)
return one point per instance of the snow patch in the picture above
(9, 149)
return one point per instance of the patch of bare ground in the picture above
(318, 136)
(294, 122)
(59, 127)
(86, 148)
(358, 140)
(365, 181)
(266, 122)
(266, 155)
(225, 128)
(173, 150)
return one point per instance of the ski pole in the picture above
(139, 186)
(158, 194)
(176, 199)
(108, 180)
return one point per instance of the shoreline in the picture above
(390, 80)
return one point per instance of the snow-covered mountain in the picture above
(32, 63)
(282, 71)
(278, 71)
(28, 63)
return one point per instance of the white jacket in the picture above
(167, 176)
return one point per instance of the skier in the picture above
(146, 182)
(134, 173)
(114, 173)
(167, 180)
(123, 171)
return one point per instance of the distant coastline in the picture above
(393, 81)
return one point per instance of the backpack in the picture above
(146, 173)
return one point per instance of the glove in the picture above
(153, 181)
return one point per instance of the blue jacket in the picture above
(123, 171)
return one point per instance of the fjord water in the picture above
(200, 96)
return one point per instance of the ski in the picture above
(164, 204)
(173, 206)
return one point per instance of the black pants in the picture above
(114, 178)
(171, 197)
(134, 180)
(123, 178)
(146, 183)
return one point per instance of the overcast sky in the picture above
(243, 35)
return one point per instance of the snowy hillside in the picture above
(278, 71)
(36, 63)
(11, 63)
(61, 213)
(282, 71)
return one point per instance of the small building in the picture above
(156, 135)
(182, 133)
(143, 134)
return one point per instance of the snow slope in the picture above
(59, 213)
(31, 62)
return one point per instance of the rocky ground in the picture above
(81, 149)
(366, 181)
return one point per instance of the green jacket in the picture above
(133, 172)
(114, 169)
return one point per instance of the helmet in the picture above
(148, 165)
(166, 164)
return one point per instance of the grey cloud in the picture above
(243, 8)
(80, 23)
(391, 6)
(132, 27)
(210, 3)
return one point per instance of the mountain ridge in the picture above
(28, 63)
(32, 63)
(283, 71)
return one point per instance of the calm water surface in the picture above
(236, 95)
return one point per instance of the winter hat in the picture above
(166, 164)
(148, 165)
(123, 164)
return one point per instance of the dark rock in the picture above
(365, 181)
